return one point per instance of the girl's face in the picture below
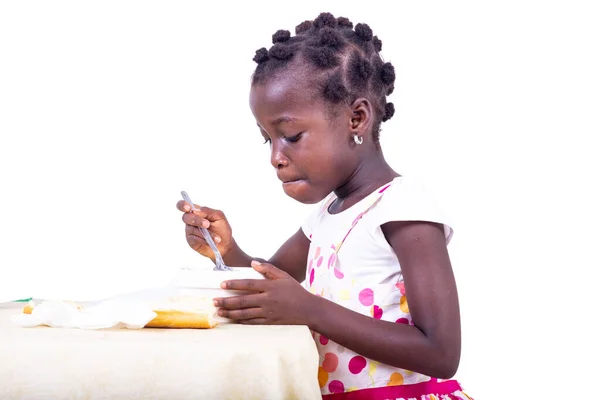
(311, 149)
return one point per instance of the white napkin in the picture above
(131, 311)
(107, 314)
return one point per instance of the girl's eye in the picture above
(295, 138)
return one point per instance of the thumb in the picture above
(268, 270)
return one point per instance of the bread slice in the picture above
(192, 312)
(181, 319)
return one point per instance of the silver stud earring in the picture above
(357, 139)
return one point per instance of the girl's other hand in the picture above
(277, 300)
(213, 220)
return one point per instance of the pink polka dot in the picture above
(310, 264)
(376, 312)
(330, 363)
(357, 364)
(331, 260)
(402, 321)
(366, 297)
(312, 276)
(317, 252)
(338, 273)
(400, 285)
(324, 340)
(336, 387)
(320, 261)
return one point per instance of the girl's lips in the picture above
(292, 181)
(289, 180)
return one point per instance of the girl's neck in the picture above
(367, 177)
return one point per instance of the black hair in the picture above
(347, 55)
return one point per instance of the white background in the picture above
(109, 110)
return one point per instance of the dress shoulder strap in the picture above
(375, 198)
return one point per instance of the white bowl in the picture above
(207, 282)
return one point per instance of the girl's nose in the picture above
(278, 159)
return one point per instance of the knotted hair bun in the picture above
(388, 112)
(325, 19)
(387, 73)
(303, 27)
(330, 38)
(281, 52)
(377, 44)
(359, 70)
(390, 90)
(334, 90)
(261, 55)
(322, 57)
(344, 22)
(281, 36)
(364, 32)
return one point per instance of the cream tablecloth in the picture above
(229, 362)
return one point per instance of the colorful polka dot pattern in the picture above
(336, 387)
(341, 369)
(366, 297)
(337, 363)
(323, 377)
(357, 364)
(330, 363)
(395, 379)
(323, 340)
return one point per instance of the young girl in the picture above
(379, 294)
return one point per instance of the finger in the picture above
(184, 206)
(195, 232)
(251, 285)
(210, 214)
(243, 314)
(195, 220)
(239, 302)
(196, 243)
(253, 321)
(269, 270)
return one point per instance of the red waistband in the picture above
(402, 391)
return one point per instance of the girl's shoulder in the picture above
(402, 199)
(409, 199)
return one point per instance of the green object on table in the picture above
(24, 300)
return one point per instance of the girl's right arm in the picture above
(291, 256)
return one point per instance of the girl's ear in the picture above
(362, 116)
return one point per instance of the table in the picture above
(229, 362)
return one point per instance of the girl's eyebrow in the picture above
(284, 119)
(278, 121)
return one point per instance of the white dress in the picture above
(351, 263)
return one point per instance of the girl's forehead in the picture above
(282, 95)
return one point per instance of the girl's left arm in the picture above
(431, 346)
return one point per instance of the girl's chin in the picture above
(300, 190)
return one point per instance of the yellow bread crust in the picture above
(181, 319)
